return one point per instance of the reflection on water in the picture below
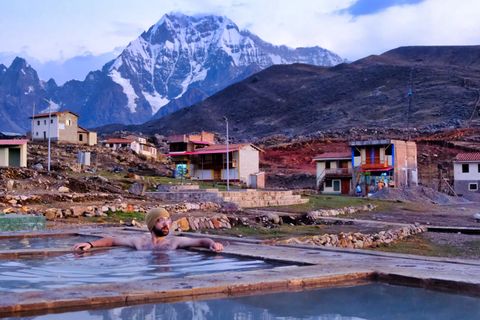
(373, 302)
(116, 265)
(43, 242)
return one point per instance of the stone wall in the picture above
(357, 240)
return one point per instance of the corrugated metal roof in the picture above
(118, 140)
(216, 148)
(471, 156)
(43, 115)
(341, 155)
(13, 142)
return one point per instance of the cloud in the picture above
(125, 29)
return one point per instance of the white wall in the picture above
(202, 174)
(233, 174)
(472, 174)
(248, 162)
(3, 156)
(330, 189)
(37, 130)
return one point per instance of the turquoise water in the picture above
(46, 242)
(373, 302)
(113, 266)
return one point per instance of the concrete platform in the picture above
(315, 268)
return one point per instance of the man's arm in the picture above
(106, 242)
(184, 242)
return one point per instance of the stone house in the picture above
(201, 159)
(466, 174)
(390, 163)
(61, 126)
(334, 172)
(13, 153)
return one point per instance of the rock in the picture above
(12, 202)
(137, 189)
(183, 224)
(476, 216)
(63, 189)
(10, 185)
(37, 166)
(50, 214)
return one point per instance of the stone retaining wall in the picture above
(357, 240)
(317, 214)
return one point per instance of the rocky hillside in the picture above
(408, 87)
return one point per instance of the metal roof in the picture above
(342, 155)
(468, 157)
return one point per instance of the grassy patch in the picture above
(332, 202)
(419, 245)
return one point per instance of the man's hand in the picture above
(216, 247)
(84, 246)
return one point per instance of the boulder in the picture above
(63, 189)
(137, 189)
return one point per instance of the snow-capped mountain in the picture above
(182, 59)
(179, 61)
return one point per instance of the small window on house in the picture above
(68, 122)
(80, 137)
(465, 168)
(328, 183)
(472, 186)
(36, 133)
(327, 164)
(38, 122)
(51, 120)
(479, 167)
(44, 121)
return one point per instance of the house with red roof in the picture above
(466, 174)
(198, 157)
(13, 153)
(334, 172)
(137, 144)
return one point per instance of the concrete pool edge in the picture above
(315, 268)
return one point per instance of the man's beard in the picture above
(161, 232)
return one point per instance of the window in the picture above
(327, 164)
(68, 122)
(51, 120)
(44, 121)
(472, 187)
(38, 122)
(336, 185)
(479, 167)
(80, 137)
(465, 168)
(36, 133)
(389, 150)
(328, 183)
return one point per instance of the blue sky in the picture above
(55, 31)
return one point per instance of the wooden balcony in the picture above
(338, 172)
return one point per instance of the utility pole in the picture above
(33, 119)
(228, 160)
(49, 133)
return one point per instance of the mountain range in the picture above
(179, 61)
(409, 87)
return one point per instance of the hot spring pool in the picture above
(43, 242)
(372, 301)
(113, 266)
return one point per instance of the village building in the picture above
(466, 174)
(13, 153)
(62, 127)
(334, 172)
(198, 157)
(384, 163)
(139, 145)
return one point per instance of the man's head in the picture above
(158, 221)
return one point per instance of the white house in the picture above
(466, 174)
(138, 144)
(209, 163)
(334, 172)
